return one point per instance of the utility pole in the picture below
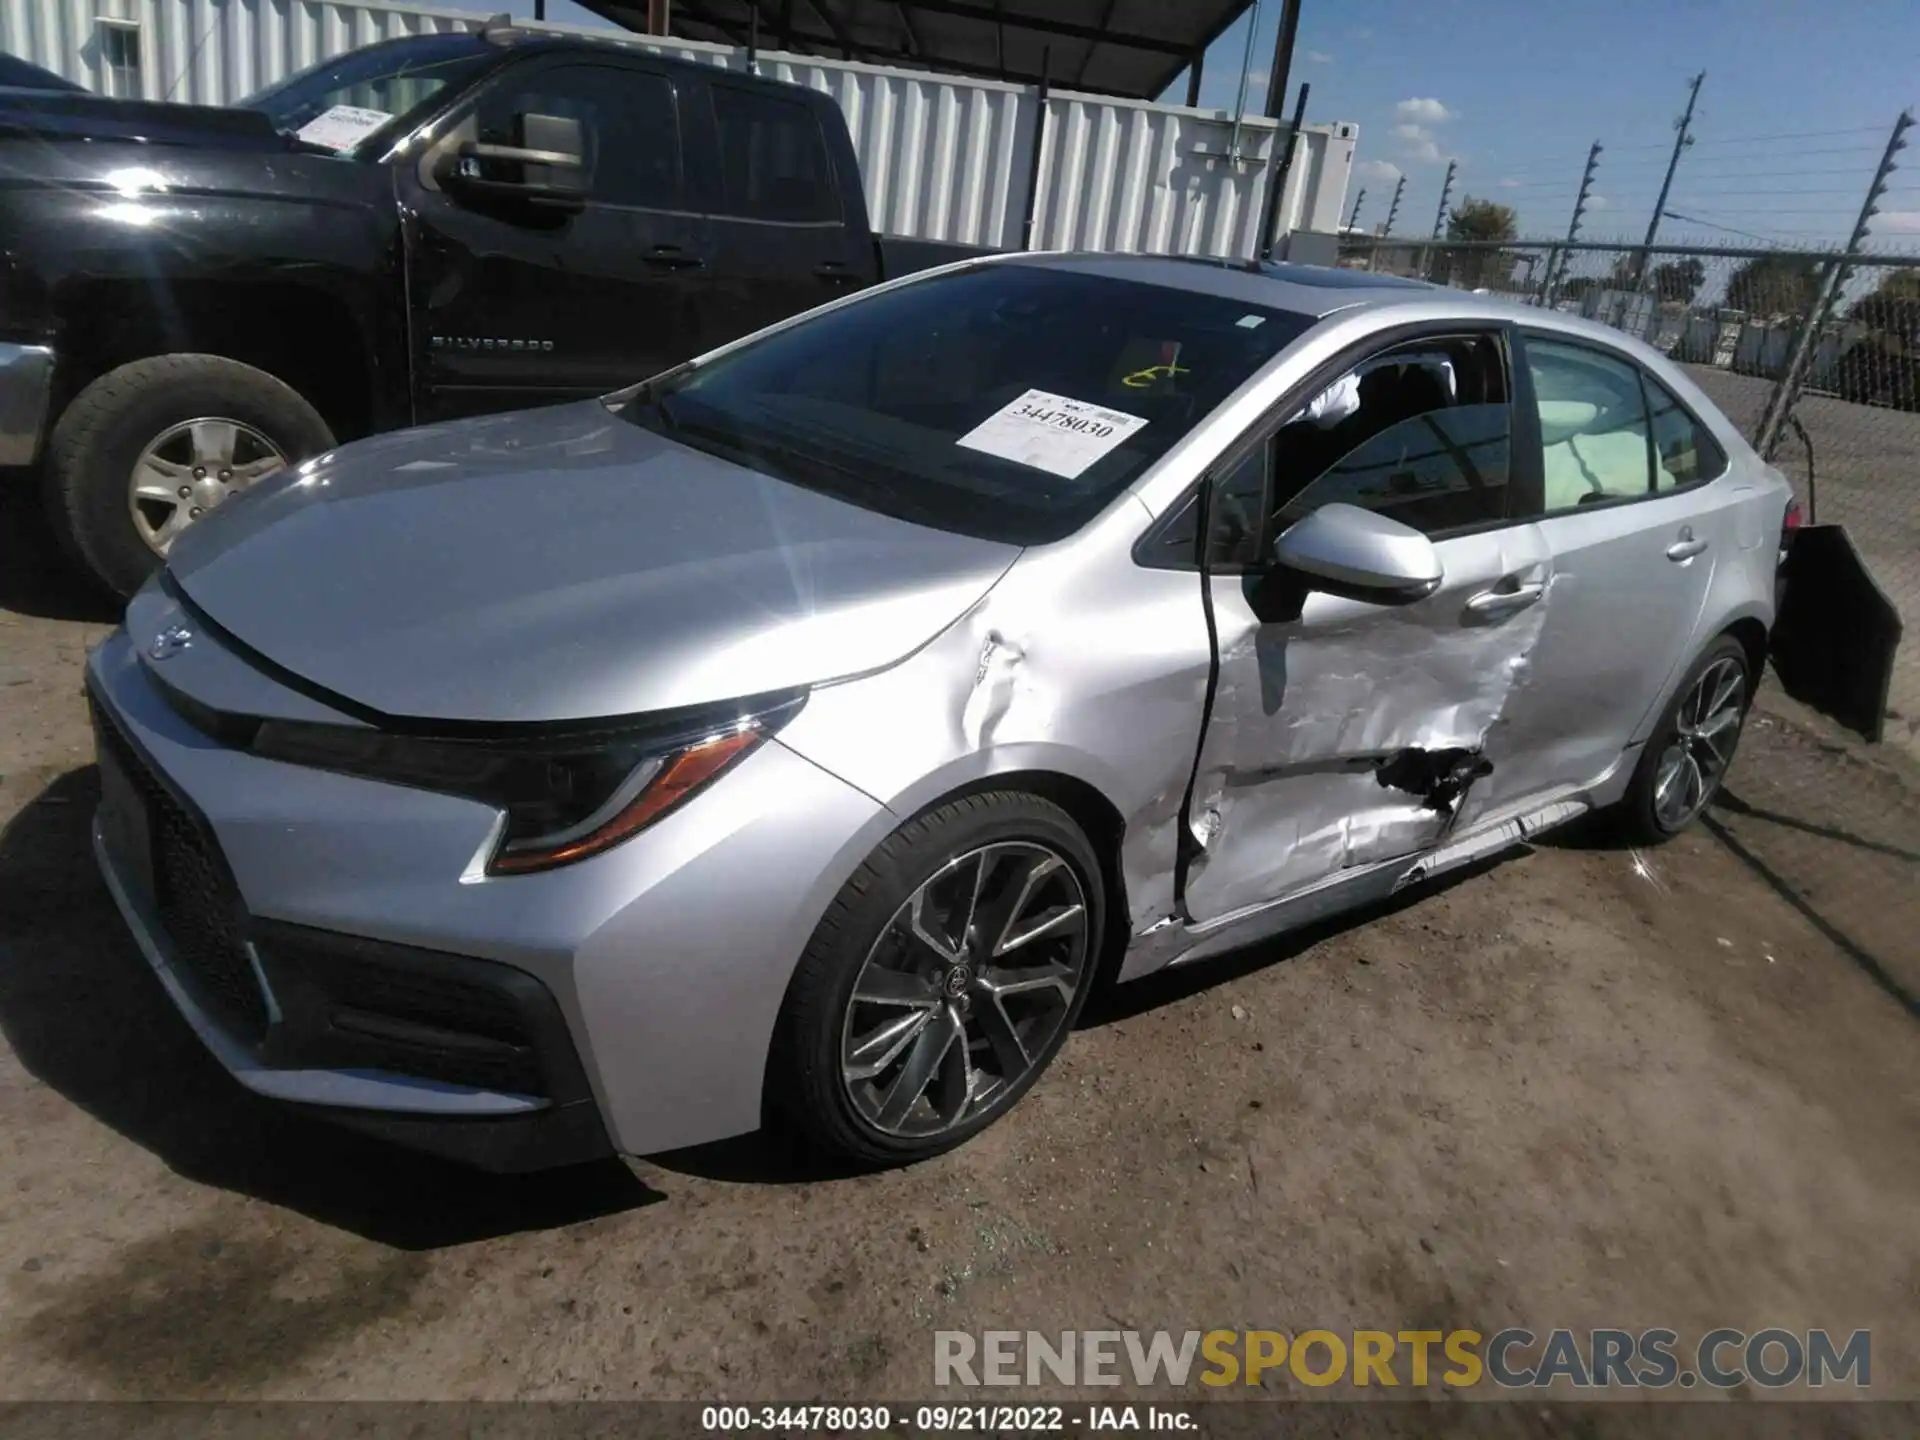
(1446, 193)
(1430, 263)
(1683, 137)
(1780, 404)
(1282, 68)
(1393, 210)
(1558, 263)
(1353, 215)
(1282, 167)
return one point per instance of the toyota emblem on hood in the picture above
(169, 642)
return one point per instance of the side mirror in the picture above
(547, 169)
(1347, 551)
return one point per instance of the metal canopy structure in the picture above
(1130, 48)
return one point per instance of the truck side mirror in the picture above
(548, 169)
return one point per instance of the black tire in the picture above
(1637, 817)
(101, 435)
(805, 1089)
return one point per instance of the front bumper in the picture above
(26, 385)
(625, 1003)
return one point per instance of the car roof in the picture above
(1318, 291)
(1313, 290)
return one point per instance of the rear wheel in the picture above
(942, 981)
(1686, 757)
(148, 449)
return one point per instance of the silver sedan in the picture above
(808, 729)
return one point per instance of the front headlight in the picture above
(566, 796)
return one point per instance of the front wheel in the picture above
(1686, 758)
(942, 981)
(147, 449)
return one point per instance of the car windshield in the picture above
(1009, 401)
(338, 103)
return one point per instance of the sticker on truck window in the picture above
(342, 127)
(1051, 432)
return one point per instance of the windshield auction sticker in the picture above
(1051, 433)
(342, 126)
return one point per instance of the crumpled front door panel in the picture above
(1354, 733)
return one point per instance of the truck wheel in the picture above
(149, 448)
(941, 981)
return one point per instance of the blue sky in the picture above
(1798, 101)
(1518, 91)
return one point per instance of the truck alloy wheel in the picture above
(191, 468)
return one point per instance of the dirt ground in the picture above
(1560, 1091)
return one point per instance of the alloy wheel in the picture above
(1706, 729)
(966, 989)
(191, 468)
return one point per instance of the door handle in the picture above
(833, 270)
(1505, 602)
(1685, 549)
(672, 257)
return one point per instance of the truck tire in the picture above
(149, 447)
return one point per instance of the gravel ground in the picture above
(1564, 1090)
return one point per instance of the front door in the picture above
(514, 304)
(1341, 732)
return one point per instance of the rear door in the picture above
(782, 240)
(1628, 508)
(1342, 733)
(515, 305)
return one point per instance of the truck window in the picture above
(773, 159)
(627, 123)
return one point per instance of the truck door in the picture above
(515, 303)
(783, 242)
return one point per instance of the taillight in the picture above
(1793, 520)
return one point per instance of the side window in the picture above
(1594, 428)
(1685, 452)
(773, 158)
(627, 124)
(1421, 433)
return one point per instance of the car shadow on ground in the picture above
(36, 577)
(85, 1015)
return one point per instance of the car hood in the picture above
(565, 564)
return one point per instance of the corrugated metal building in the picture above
(943, 158)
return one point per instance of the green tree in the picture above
(1484, 223)
(1679, 280)
(1775, 285)
(1482, 220)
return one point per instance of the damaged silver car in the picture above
(809, 727)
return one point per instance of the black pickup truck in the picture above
(431, 227)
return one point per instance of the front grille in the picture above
(198, 903)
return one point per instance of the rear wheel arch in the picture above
(1752, 636)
